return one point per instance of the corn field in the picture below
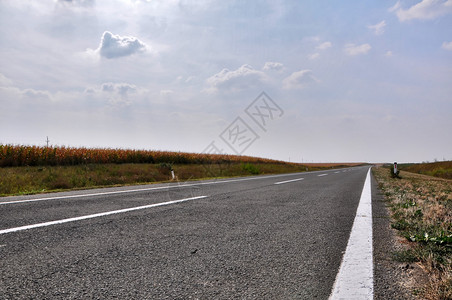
(21, 155)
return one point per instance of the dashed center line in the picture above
(322, 175)
(287, 181)
(142, 189)
(95, 215)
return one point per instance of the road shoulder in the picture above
(390, 277)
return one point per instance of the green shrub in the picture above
(250, 168)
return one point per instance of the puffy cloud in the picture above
(395, 7)
(4, 81)
(314, 56)
(115, 93)
(352, 49)
(388, 53)
(379, 28)
(122, 89)
(242, 78)
(324, 46)
(299, 80)
(447, 46)
(273, 66)
(166, 93)
(24, 97)
(424, 10)
(37, 94)
(76, 2)
(114, 46)
(7, 87)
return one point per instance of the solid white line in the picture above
(141, 190)
(96, 215)
(151, 189)
(287, 181)
(322, 175)
(355, 277)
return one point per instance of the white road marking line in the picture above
(355, 277)
(96, 215)
(322, 175)
(336, 172)
(140, 190)
(150, 189)
(287, 181)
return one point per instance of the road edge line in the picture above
(355, 277)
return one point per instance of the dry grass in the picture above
(421, 209)
(37, 179)
(442, 169)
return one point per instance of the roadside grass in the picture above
(442, 169)
(34, 169)
(41, 179)
(421, 211)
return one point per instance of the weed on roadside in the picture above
(420, 209)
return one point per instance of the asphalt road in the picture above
(248, 238)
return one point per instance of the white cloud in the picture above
(352, 49)
(4, 81)
(314, 56)
(299, 80)
(115, 93)
(24, 97)
(37, 94)
(395, 7)
(190, 79)
(114, 46)
(324, 46)
(424, 10)
(379, 28)
(312, 39)
(242, 78)
(121, 89)
(447, 46)
(76, 2)
(166, 93)
(388, 53)
(273, 66)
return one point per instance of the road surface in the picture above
(263, 237)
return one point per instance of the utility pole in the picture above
(47, 141)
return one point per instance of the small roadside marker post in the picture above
(395, 168)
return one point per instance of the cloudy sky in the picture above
(343, 80)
